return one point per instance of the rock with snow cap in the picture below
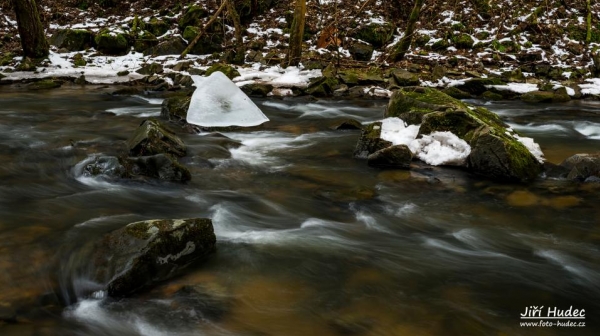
(141, 254)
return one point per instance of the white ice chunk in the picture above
(441, 148)
(218, 102)
(396, 131)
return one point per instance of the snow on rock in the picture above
(441, 148)
(218, 102)
(593, 88)
(438, 148)
(532, 146)
(397, 132)
(515, 87)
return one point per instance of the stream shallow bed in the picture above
(310, 241)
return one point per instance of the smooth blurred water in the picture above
(310, 241)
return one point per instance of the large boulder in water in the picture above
(153, 138)
(370, 141)
(496, 151)
(398, 156)
(160, 166)
(143, 253)
(175, 108)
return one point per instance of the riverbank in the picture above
(515, 50)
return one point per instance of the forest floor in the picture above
(529, 42)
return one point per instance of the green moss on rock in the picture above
(192, 17)
(376, 34)
(226, 69)
(111, 43)
(463, 41)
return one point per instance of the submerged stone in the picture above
(161, 166)
(143, 253)
(398, 156)
(581, 166)
(218, 102)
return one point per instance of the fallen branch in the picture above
(203, 29)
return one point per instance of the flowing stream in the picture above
(310, 241)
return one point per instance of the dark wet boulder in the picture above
(370, 141)
(144, 41)
(192, 17)
(581, 166)
(361, 51)
(142, 254)
(398, 156)
(321, 87)
(109, 166)
(347, 124)
(111, 43)
(226, 69)
(72, 39)
(546, 96)
(160, 166)
(175, 108)
(257, 89)
(495, 151)
(156, 26)
(456, 93)
(153, 138)
(478, 86)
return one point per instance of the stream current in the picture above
(309, 240)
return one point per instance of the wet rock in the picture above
(150, 69)
(109, 166)
(321, 87)
(257, 89)
(494, 153)
(45, 84)
(348, 124)
(478, 86)
(153, 138)
(156, 26)
(581, 166)
(160, 166)
(361, 51)
(173, 46)
(545, 97)
(370, 141)
(226, 69)
(72, 39)
(111, 43)
(398, 156)
(456, 93)
(141, 254)
(405, 78)
(493, 96)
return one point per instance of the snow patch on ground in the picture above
(515, 87)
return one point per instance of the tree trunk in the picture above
(406, 40)
(233, 14)
(33, 39)
(297, 33)
(588, 22)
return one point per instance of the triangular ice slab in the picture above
(218, 102)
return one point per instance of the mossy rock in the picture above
(72, 39)
(142, 254)
(456, 93)
(376, 34)
(192, 17)
(159, 166)
(190, 33)
(361, 51)
(440, 45)
(257, 89)
(209, 43)
(463, 41)
(6, 58)
(44, 84)
(153, 138)
(228, 70)
(175, 109)
(157, 27)
(144, 41)
(495, 152)
(421, 40)
(492, 96)
(322, 87)
(405, 78)
(111, 43)
(249, 9)
(78, 60)
(370, 141)
(545, 97)
(478, 86)
(371, 76)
